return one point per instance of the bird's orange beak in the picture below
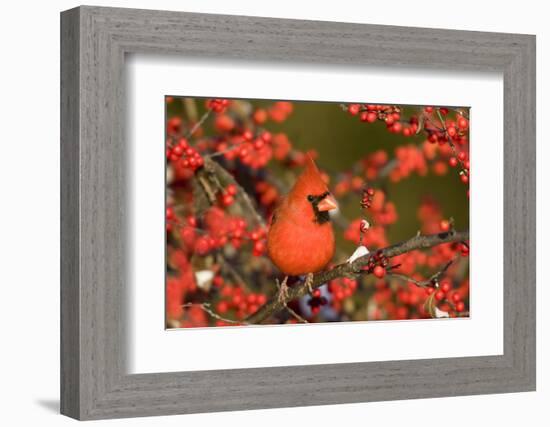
(327, 204)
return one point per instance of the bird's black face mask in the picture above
(321, 217)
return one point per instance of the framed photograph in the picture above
(262, 213)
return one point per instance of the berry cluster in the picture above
(438, 128)
(267, 194)
(217, 105)
(389, 114)
(182, 152)
(241, 302)
(258, 241)
(280, 111)
(342, 288)
(366, 197)
(317, 301)
(448, 299)
(215, 230)
(377, 265)
(227, 197)
(254, 151)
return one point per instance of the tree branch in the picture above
(213, 169)
(349, 269)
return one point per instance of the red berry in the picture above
(231, 189)
(462, 155)
(379, 271)
(445, 225)
(445, 286)
(237, 299)
(353, 109)
(260, 116)
(439, 295)
(177, 150)
(316, 293)
(396, 127)
(247, 135)
(266, 137)
(462, 123)
(169, 213)
(202, 246)
(429, 109)
(371, 117)
(464, 178)
(455, 297)
(227, 199)
(222, 307)
(459, 306)
(259, 144)
(453, 161)
(451, 131)
(259, 247)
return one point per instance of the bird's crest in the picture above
(310, 181)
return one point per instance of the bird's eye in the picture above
(310, 198)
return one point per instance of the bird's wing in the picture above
(276, 212)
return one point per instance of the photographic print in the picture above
(297, 212)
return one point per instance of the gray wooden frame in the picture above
(94, 41)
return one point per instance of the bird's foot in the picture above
(283, 291)
(309, 282)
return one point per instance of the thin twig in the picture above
(198, 124)
(424, 283)
(233, 273)
(295, 315)
(206, 308)
(228, 150)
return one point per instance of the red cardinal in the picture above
(300, 239)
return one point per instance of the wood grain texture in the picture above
(94, 238)
(70, 296)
